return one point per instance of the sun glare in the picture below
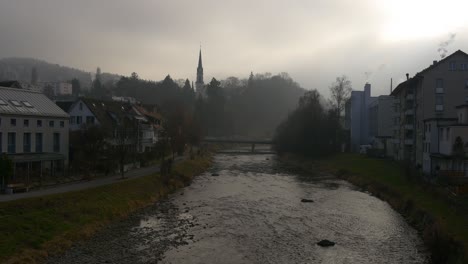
(418, 19)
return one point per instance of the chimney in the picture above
(391, 85)
(407, 76)
(434, 62)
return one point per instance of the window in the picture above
(81, 106)
(15, 103)
(1, 145)
(79, 120)
(439, 103)
(38, 142)
(429, 127)
(27, 142)
(27, 104)
(26, 123)
(466, 84)
(452, 66)
(51, 123)
(39, 123)
(11, 142)
(3, 102)
(72, 120)
(463, 66)
(439, 85)
(13, 122)
(62, 123)
(56, 142)
(90, 120)
(448, 133)
(441, 133)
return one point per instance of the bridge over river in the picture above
(251, 142)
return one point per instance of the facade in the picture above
(200, 84)
(381, 123)
(431, 94)
(63, 88)
(359, 126)
(33, 132)
(445, 145)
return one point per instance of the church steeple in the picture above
(199, 84)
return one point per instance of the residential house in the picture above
(108, 114)
(431, 94)
(33, 133)
(446, 144)
(381, 124)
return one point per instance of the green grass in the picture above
(33, 228)
(389, 178)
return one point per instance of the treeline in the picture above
(315, 128)
(251, 107)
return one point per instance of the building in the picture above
(431, 94)
(359, 118)
(445, 145)
(33, 133)
(200, 84)
(63, 89)
(381, 123)
(108, 114)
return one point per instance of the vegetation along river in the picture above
(252, 213)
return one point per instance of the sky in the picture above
(313, 40)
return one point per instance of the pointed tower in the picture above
(199, 84)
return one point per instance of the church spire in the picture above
(200, 60)
(199, 84)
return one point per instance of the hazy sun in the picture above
(416, 19)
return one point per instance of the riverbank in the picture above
(440, 220)
(34, 228)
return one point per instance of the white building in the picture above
(33, 132)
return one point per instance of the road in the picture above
(83, 185)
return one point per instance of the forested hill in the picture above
(21, 69)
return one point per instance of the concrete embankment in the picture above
(35, 228)
(440, 220)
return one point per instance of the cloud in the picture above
(314, 41)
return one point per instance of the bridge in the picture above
(251, 142)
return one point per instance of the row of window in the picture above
(90, 120)
(439, 88)
(38, 123)
(447, 133)
(462, 66)
(11, 142)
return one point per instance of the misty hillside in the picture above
(20, 69)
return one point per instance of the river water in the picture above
(252, 213)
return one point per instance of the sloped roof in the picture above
(109, 112)
(65, 105)
(145, 112)
(27, 102)
(420, 74)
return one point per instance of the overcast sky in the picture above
(313, 40)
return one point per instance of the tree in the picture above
(340, 92)
(124, 141)
(89, 145)
(6, 167)
(76, 86)
(34, 76)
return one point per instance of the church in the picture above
(199, 84)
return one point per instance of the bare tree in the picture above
(340, 92)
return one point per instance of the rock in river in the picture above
(326, 243)
(307, 200)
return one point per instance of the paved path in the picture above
(82, 185)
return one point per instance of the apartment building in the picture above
(33, 132)
(431, 94)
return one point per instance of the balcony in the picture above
(409, 112)
(409, 142)
(439, 90)
(409, 127)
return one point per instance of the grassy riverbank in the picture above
(31, 229)
(441, 219)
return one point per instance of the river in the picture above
(252, 213)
